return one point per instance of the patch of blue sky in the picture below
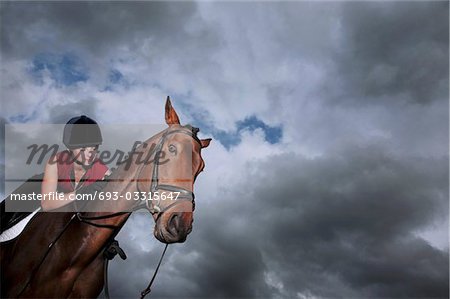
(272, 134)
(19, 118)
(65, 69)
(116, 78)
(23, 118)
(229, 139)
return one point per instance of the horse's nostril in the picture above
(173, 221)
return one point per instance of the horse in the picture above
(61, 255)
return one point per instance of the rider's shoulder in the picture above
(100, 162)
(101, 166)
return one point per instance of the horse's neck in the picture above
(124, 183)
(121, 192)
(123, 189)
(100, 236)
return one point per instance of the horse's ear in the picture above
(205, 142)
(171, 115)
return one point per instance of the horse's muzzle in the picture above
(174, 227)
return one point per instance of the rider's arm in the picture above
(49, 184)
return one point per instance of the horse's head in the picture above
(176, 164)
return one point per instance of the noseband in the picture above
(184, 194)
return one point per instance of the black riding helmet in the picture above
(82, 131)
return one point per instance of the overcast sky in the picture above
(328, 171)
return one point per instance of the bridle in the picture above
(185, 195)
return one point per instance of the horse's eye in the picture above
(172, 149)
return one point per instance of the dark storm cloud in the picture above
(392, 51)
(341, 225)
(354, 216)
(3, 122)
(101, 28)
(228, 264)
(216, 261)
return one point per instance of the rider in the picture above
(77, 169)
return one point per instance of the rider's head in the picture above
(82, 136)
